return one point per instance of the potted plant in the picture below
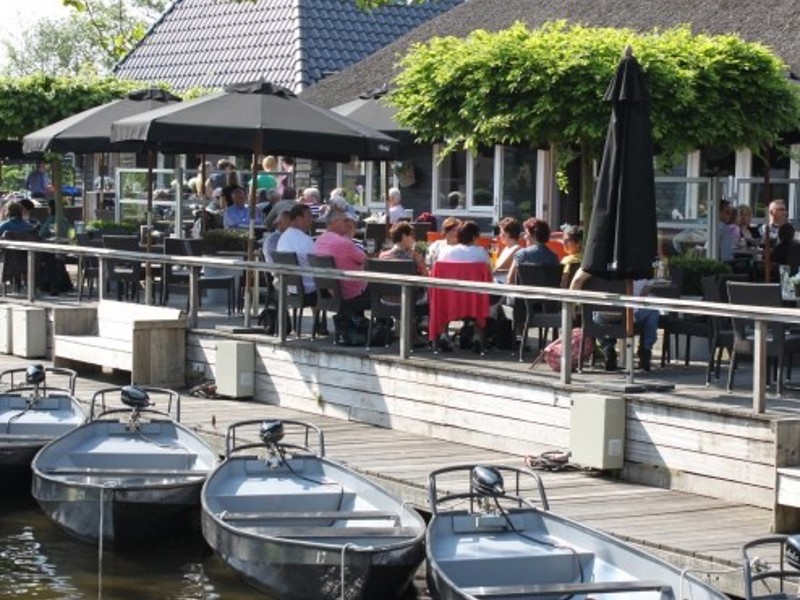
(224, 240)
(690, 269)
(100, 227)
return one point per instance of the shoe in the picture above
(477, 346)
(610, 359)
(645, 358)
(443, 344)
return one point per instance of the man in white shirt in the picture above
(296, 239)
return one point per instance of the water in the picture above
(40, 561)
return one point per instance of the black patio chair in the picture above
(329, 290)
(296, 298)
(545, 315)
(385, 297)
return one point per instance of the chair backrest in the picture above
(609, 321)
(183, 246)
(73, 213)
(541, 276)
(292, 279)
(377, 232)
(15, 262)
(757, 294)
(421, 230)
(329, 291)
(793, 258)
(129, 243)
(385, 297)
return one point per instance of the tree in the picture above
(94, 37)
(528, 87)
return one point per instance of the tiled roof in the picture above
(774, 24)
(210, 43)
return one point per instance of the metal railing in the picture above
(569, 299)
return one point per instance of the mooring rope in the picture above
(344, 549)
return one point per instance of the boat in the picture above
(771, 567)
(486, 541)
(300, 526)
(32, 413)
(130, 476)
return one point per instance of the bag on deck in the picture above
(579, 345)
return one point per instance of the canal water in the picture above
(40, 561)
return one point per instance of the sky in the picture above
(17, 15)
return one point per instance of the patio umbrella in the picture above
(622, 239)
(90, 131)
(258, 118)
(371, 110)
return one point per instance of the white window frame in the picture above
(481, 211)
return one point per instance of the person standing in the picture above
(396, 210)
(38, 181)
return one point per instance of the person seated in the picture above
(14, 220)
(780, 253)
(52, 227)
(573, 253)
(537, 234)
(296, 239)
(748, 232)
(312, 199)
(396, 210)
(466, 250)
(270, 241)
(27, 208)
(646, 319)
(337, 242)
(237, 214)
(510, 232)
(403, 241)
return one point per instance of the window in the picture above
(519, 182)
(463, 181)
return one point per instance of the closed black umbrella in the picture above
(623, 236)
(258, 118)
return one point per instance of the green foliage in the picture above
(30, 103)
(694, 268)
(520, 86)
(224, 240)
(102, 226)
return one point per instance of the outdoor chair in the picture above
(14, 263)
(178, 277)
(329, 290)
(715, 289)
(296, 298)
(674, 324)
(385, 297)
(782, 344)
(125, 274)
(88, 266)
(377, 232)
(613, 318)
(542, 314)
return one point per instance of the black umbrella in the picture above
(370, 109)
(623, 235)
(257, 118)
(90, 131)
(622, 239)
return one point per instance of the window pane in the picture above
(519, 182)
(451, 192)
(352, 176)
(483, 178)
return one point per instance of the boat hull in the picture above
(469, 555)
(126, 487)
(26, 429)
(280, 557)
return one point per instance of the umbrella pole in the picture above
(251, 234)
(629, 331)
(148, 273)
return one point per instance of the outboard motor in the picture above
(793, 551)
(487, 481)
(35, 375)
(271, 432)
(134, 397)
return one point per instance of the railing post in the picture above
(281, 307)
(194, 295)
(101, 277)
(566, 342)
(80, 276)
(760, 367)
(32, 275)
(406, 318)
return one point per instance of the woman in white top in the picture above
(467, 249)
(510, 232)
(450, 232)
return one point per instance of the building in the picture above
(519, 181)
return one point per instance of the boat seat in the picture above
(339, 532)
(569, 589)
(311, 516)
(133, 460)
(311, 500)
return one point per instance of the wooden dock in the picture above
(691, 531)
